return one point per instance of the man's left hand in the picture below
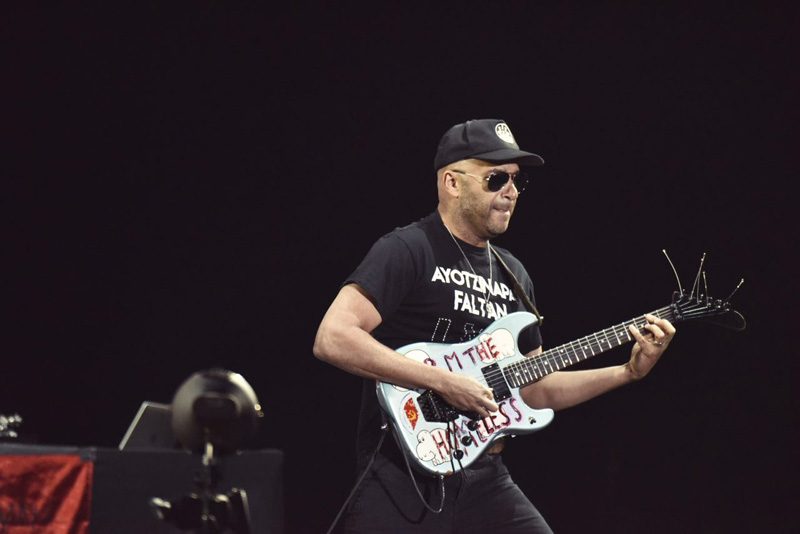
(649, 348)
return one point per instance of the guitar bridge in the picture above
(435, 409)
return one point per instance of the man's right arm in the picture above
(343, 339)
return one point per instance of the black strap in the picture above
(526, 301)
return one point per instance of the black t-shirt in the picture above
(427, 287)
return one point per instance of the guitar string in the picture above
(555, 358)
(520, 372)
(551, 356)
(666, 312)
(547, 357)
(661, 313)
(593, 345)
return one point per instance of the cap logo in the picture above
(504, 132)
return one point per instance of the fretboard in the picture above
(529, 370)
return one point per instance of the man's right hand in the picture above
(467, 394)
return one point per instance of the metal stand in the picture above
(208, 512)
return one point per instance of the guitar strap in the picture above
(526, 301)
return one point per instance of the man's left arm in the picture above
(564, 389)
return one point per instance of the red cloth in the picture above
(45, 494)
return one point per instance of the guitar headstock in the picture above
(697, 305)
(707, 309)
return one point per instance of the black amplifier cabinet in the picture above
(125, 481)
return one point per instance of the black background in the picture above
(187, 187)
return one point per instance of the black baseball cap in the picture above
(485, 139)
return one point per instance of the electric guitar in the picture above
(439, 440)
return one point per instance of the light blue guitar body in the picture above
(417, 416)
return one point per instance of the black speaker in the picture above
(126, 481)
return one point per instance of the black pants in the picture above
(484, 500)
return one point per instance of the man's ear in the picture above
(451, 184)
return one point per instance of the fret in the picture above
(621, 340)
(561, 349)
(561, 355)
(558, 364)
(642, 328)
(575, 353)
(627, 333)
(517, 376)
(627, 325)
(581, 349)
(537, 373)
(527, 373)
(542, 372)
(608, 341)
(599, 343)
(512, 377)
(520, 374)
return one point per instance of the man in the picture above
(439, 280)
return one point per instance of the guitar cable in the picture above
(384, 429)
(454, 446)
(416, 487)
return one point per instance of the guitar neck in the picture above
(529, 370)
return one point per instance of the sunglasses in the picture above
(497, 180)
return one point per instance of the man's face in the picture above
(487, 212)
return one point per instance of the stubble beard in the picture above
(482, 218)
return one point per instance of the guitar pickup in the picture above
(495, 380)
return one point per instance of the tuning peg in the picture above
(741, 282)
